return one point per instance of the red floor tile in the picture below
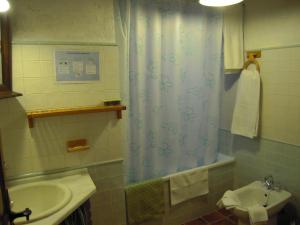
(196, 222)
(223, 222)
(225, 212)
(213, 217)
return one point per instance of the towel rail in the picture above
(252, 60)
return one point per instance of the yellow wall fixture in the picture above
(219, 3)
(77, 145)
(255, 54)
(252, 56)
(4, 5)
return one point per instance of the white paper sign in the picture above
(72, 66)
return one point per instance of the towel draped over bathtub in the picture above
(145, 201)
(188, 184)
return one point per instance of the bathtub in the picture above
(222, 160)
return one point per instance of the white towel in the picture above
(229, 200)
(233, 37)
(188, 185)
(257, 214)
(246, 112)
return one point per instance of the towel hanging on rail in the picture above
(246, 112)
(145, 201)
(188, 184)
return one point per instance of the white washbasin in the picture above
(42, 198)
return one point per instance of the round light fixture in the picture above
(4, 6)
(219, 3)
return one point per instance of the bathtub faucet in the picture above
(269, 182)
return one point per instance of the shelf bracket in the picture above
(119, 114)
(30, 122)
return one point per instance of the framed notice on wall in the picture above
(77, 66)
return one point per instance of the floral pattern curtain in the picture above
(175, 68)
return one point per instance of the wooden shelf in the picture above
(73, 111)
(9, 94)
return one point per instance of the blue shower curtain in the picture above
(175, 66)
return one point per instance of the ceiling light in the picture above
(219, 3)
(4, 6)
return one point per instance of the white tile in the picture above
(34, 101)
(47, 69)
(31, 52)
(18, 84)
(31, 68)
(33, 85)
(16, 52)
(44, 146)
(88, 156)
(23, 166)
(46, 53)
(72, 159)
(110, 95)
(17, 68)
(48, 85)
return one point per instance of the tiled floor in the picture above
(221, 217)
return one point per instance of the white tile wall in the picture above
(280, 110)
(277, 151)
(280, 73)
(45, 144)
(34, 76)
(63, 21)
(43, 147)
(262, 20)
(108, 203)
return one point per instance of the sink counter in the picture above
(78, 181)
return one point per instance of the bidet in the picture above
(258, 194)
(269, 182)
(267, 195)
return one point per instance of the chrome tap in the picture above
(269, 182)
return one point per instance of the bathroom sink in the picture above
(42, 198)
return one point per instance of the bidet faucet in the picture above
(269, 182)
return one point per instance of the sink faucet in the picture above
(269, 182)
(26, 213)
